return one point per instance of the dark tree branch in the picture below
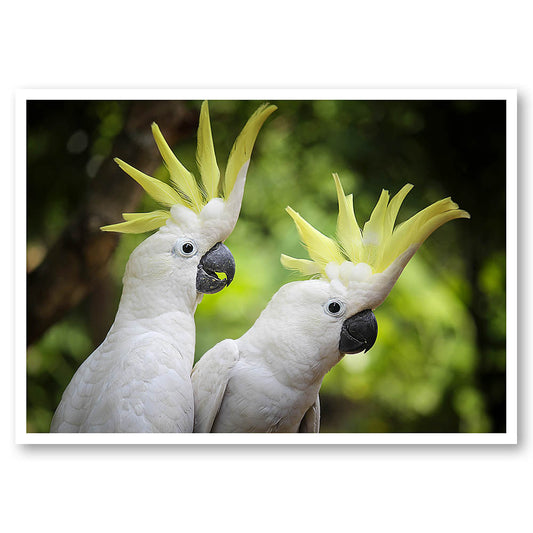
(79, 258)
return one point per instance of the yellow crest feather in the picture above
(186, 190)
(242, 148)
(348, 232)
(304, 266)
(205, 155)
(373, 230)
(158, 190)
(380, 243)
(139, 222)
(322, 250)
(419, 227)
(179, 175)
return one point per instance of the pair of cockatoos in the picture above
(269, 379)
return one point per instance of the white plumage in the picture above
(268, 380)
(138, 379)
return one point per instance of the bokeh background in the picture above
(439, 362)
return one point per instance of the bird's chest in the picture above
(146, 387)
(256, 401)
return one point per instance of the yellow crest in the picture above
(378, 244)
(185, 188)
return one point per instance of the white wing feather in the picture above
(311, 420)
(210, 378)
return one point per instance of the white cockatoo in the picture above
(138, 379)
(268, 380)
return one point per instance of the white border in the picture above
(269, 94)
(20, 269)
(511, 362)
(21, 437)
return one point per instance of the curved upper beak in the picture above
(358, 333)
(216, 261)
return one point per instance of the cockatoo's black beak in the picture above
(216, 261)
(359, 332)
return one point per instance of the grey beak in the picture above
(215, 261)
(358, 333)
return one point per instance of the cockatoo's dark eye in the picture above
(185, 248)
(335, 308)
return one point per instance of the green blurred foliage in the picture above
(439, 362)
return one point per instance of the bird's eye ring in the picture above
(185, 248)
(334, 308)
